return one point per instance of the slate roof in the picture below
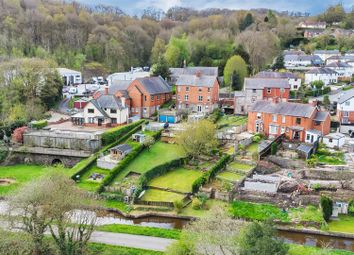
(118, 85)
(312, 58)
(305, 148)
(321, 70)
(321, 116)
(210, 71)
(326, 52)
(261, 83)
(314, 131)
(283, 108)
(98, 107)
(276, 75)
(339, 64)
(122, 147)
(198, 81)
(345, 95)
(155, 85)
(335, 136)
(109, 102)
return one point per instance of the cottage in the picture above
(197, 93)
(291, 119)
(344, 70)
(293, 79)
(334, 140)
(70, 77)
(324, 74)
(345, 107)
(106, 110)
(325, 54)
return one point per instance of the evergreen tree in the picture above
(247, 21)
(161, 68)
(279, 63)
(235, 81)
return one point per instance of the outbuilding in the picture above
(334, 140)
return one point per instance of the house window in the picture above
(91, 120)
(345, 114)
(254, 90)
(187, 89)
(144, 110)
(208, 98)
(282, 130)
(208, 89)
(200, 89)
(186, 97)
(330, 140)
(298, 121)
(308, 137)
(179, 97)
(199, 108)
(273, 130)
(317, 123)
(158, 97)
(259, 115)
(113, 110)
(200, 98)
(269, 90)
(295, 86)
(347, 103)
(179, 89)
(274, 118)
(283, 119)
(145, 98)
(114, 120)
(152, 98)
(91, 110)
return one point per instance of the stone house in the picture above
(295, 120)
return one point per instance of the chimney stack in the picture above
(106, 90)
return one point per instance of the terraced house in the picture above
(299, 122)
(197, 93)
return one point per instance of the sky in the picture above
(133, 7)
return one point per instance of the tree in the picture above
(161, 68)
(54, 202)
(259, 239)
(157, 50)
(177, 51)
(197, 138)
(235, 65)
(148, 142)
(326, 101)
(215, 234)
(246, 22)
(318, 86)
(334, 13)
(279, 62)
(327, 207)
(235, 81)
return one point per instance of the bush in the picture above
(215, 115)
(114, 134)
(196, 204)
(3, 151)
(256, 139)
(17, 135)
(39, 124)
(351, 207)
(8, 129)
(327, 207)
(312, 162)
(274, 148)
(178, 205)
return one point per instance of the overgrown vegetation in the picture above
(327, 207)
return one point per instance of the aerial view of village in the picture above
(156, 127)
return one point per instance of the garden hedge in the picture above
(209, 175)
(113, 134)
(81, 167)
(39, 124)
(123, 164)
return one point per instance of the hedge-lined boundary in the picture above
(81, 167)
(111, 135)
(123, 164)
(209, 175)
(155, 172)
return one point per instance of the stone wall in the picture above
(320, 174)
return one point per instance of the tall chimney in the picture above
(106, 90)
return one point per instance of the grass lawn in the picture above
(309, 214)
(239, 167)
(91, 185)
(231, 120)
(344, 224)
(229, 176)
(114, 204)
(211, 203)
(159, 195)
(20, 174)
(141, 230)
(158, 154)
(310, 250)
(331, 160)
(180, 179)
(255, 211)
(105, 249)
(253, 147)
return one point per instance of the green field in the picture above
(344, 224)
(159, 195)
(180, 179)
(158, 154)
(19, 174)
(229, 176)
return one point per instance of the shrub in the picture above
(39, 124)
(3, 151)
(316, 186)
(17, 135)
(114, 134)
(274, 148)
(351, 207)
(327, 207)
(312, 162)
(256, 139)
(255, 156)
(196, 204)
(178, 205)
(241, 147)
(215, 115)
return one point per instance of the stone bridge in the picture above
(47, 156)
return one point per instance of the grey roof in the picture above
(335, 136)
(321, 70)
(314, 131)
(305, 148)
(321, 116)
(122, 147)
(283, 108)
(155, 85)
(311, 58)
(345, 95)
(118, 85)
(339, 64)
(261, 83)
(277, 75)
(326, 52)
(98, 107)
(194, 80)
(109, 102)
(211, 71)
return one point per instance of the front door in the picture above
(99, 122)
(296, 135)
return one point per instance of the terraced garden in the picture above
(344, 223)
(161, 196)
(231, 120)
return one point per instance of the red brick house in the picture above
(299, 122)
(197, 93)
